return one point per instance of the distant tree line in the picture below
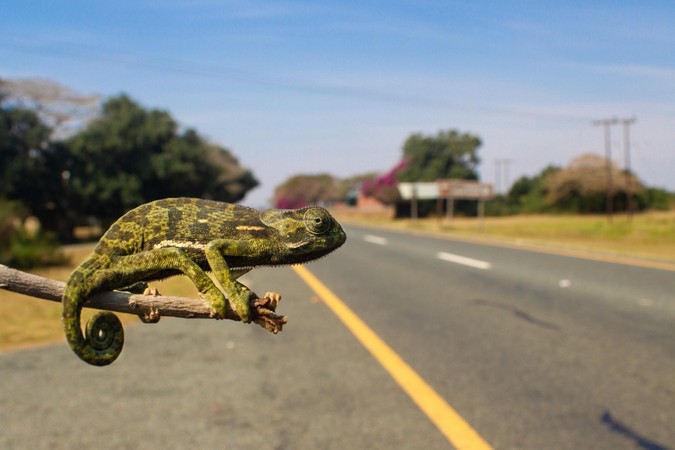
(126, 156)
(449, 154)
(580, 188)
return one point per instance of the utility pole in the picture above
(498, 175)
(606, 123)
(627, 122)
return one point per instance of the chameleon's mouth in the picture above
(297, 244)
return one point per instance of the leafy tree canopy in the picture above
(448, 154)
(131, 155)
(26, 157)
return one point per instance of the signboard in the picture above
(456, 189)
(465, 190)
(419, 191)
(450, 190)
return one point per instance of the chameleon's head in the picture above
(306, 233)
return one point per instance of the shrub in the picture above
(22, 248)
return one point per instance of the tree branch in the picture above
(141, 305)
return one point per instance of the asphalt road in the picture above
(533, 351)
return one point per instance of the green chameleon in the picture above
(189, 236)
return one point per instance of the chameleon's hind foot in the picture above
(151, 291)
(137, 288)
(217, 302)
(152, 316)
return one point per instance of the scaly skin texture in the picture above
(190, 237)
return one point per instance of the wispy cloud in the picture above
(651, 73)
(243, 9)
(641, 70)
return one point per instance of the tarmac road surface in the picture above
(531, 350)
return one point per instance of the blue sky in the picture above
(316, 86)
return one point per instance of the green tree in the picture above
(448, 154)
(111, 159)
(22, 142)
(29, 162)
(528, 194)
(21, 246)
(131, 155)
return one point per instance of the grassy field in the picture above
(649, 235)
(26, 321)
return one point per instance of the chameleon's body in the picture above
(189, 236)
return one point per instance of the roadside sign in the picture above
(465, 189)
(419, 191)
(450, 190)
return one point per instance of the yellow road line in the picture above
(447, 420)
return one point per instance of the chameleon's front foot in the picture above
(242, 303)
(265, 314)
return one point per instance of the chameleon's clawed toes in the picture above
(216, 305)
(216, 315)
(265, 314)
(152, 316)
(271, 300)
(151, 291)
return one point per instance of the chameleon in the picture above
(189, 236)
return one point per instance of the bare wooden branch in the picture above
(140, 305)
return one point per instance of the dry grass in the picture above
(648, 235)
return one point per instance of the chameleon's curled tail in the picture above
(104, 337)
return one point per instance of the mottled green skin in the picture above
(190, 236)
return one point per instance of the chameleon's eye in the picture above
(317, 220)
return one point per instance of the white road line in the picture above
(375, 239)
(476, 263)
